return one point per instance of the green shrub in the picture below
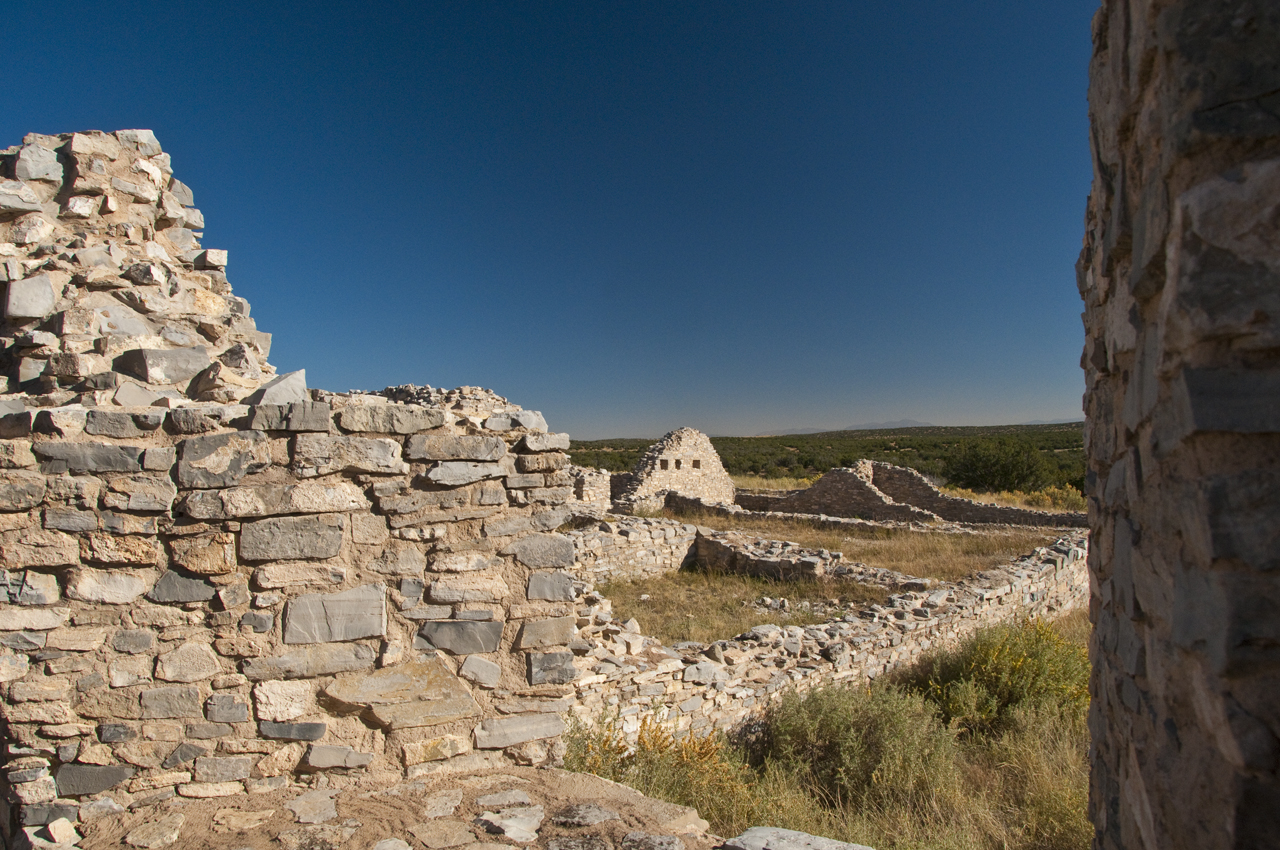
(1029, 665)
(872, 747)
(999, 463)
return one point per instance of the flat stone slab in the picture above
(461, 637)
(314, 806)
(439, 834)
(583, 814)
(292, 538)
(773, 838)
(519, 823)
(157, 833)
(421, 693)
(324, 660)
(327, 617)
(497, 733)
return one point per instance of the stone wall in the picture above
(623, 548)
(849, 492)
(699, 687)
(216, 581)
(910, 487)
(1180, 276)
(683, 462)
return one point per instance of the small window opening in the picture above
(663, 463)
(679, 463)
(697, 464)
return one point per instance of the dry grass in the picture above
(706, 607)
(926, 554)
(1049, 499)
(757, 482)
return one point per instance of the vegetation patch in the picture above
(890, 765)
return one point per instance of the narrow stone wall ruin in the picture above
(683, 462)
(1180, 276)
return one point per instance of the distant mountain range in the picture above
(865, 426)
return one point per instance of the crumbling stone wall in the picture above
(849, 492)
(624, 548)
(1180, 276)
(215, 580)
(910, 487)
(683, 462)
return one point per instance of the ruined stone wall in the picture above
(849, 492)
(910, 487)
(699, 687)
(684, 462)
(625, 548)
(1180, 275)
(215, 580)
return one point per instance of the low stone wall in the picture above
(591, 488)
(631, 548)
(698, 688)
(761, 500)
(911, 488)
(849, 492)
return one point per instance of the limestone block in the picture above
(542, 551)
(173, 587)
(350, 615)
(140, 493)
(35, 162)
(190, 662)
(322, 454)
(292, 538)
(82, 206)
(175, 701)
(16, 454)
(18, 197)
(34, 619)
(554, 587)
(291, 731)
(205, 554)
(113, 587)
(437, 749)
(115, 549)
(400, 557)
(283, 760)
(323, 660)
(308, 497)
(13, 667)
(329, 757)
(556, 631)
(286, 389)
(530, 419)
(549, 462)
(457, 473)
(20, 490)
(79, 458)
(467, 587)
(297, 416)
(498, 733)
(31, 298)
(283, 700)
(545, 443)
(460, 637)
(420, 693)
(31, 229)
(460, 562)
(164, 366)
(390, 418)
(368, 529)
(221, 460)
(551, 668)
(34, 547)
(482, 671)
(449, 447)
(291, 573)
(119, 424)
(222, 769)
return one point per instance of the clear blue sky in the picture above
(740, 216)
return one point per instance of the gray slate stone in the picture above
(498, 733)
(390, 418)
(460, 637)
(31, 298)
(452, 473)
(449, 447)
(133, 641)
(78, 780)
(291, 731)
(38, 163)
(324, 660)
(551, 668)
(175, 701)
(773, 838)
(327, 617)
(298, 416)
(191, 420)
(221, 460)
(329, 757)
(555, 587)
(163, 366)
(296, 538)
(542, 551)
(482, 671)
(226, 708)
(174, 587)
(182, 754)
(20, 490)
(115, 733)
(79, 458)
(286, 389)
(122, 425)
(205, 731)
(259, 621)
(222, 769)
(555, 631)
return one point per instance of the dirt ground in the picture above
(366, 816)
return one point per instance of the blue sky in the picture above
(740, 216)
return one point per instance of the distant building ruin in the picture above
(682, 462)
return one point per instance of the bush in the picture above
(1001, 670)
(999, 463)
(866, 748)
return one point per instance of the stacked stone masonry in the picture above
(682, 462)
(1180, 276)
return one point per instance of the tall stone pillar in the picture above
(1180, 275)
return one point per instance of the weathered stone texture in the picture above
(1180, 276)
(684, 462)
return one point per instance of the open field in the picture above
(810, 455)
(926, 554)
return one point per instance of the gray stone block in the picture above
(163, 365)
(222, 769)
(285, 389)
(545, 442)
(17, 197)
(175, 701)
(551, 668)
(542, 551)
(646, 841)
(323, 660)
(292, 538)
(460, 637)
(31, 298)
(327, 617)
(556, 631)
(451, 473)
(221, 460)
(79, 780)
(390, 418)
(183, 754)
(498, 733)
(191, 420)
(20, 490)
(315, 454)
(291, 731)
(259, 621)
(115, 733)
(122, 425)
(79, 458)
(482, 671)
(554, 587)
(329, 757)
(38, 163)
(174, 587)
(226, 708)
(133, 641)
(298, 416)
(205, 731)
(449, 447)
